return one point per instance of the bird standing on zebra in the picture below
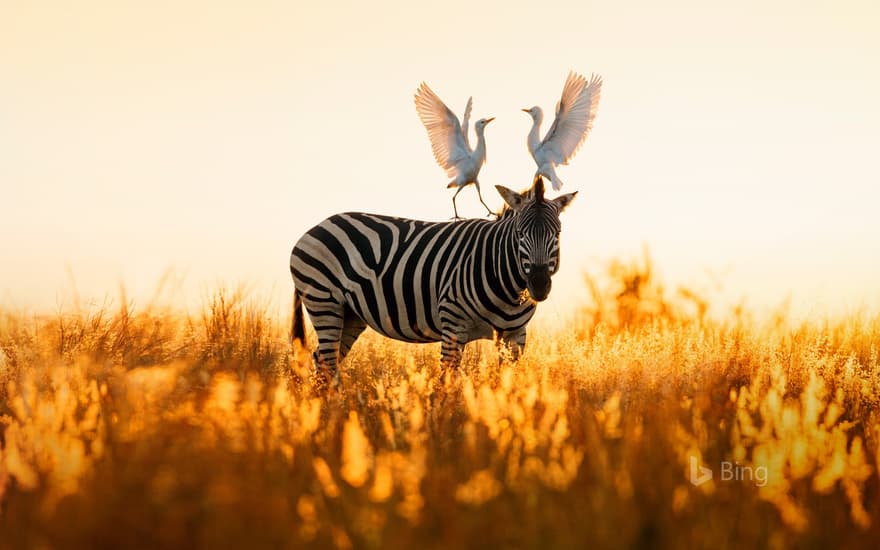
(450, 142)
(575, 113)
(419, 281)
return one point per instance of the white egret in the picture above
(574, 119)
(450, 143)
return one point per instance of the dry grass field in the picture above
(145, 427)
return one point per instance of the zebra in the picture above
(418, 281)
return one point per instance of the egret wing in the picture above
(465, 122)
(443, 128)
(575, 113)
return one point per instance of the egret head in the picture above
(537, 228)
(535, 112)
(481, 124)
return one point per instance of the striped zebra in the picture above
(419, 281)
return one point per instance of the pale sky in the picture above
(740, 139)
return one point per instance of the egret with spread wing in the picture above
(574, 119)
(450, 143)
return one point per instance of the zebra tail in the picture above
(298, 330)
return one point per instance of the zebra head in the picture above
(536, 228)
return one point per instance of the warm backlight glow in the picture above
(206, 137)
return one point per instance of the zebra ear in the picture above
(513, 199)
(563, 201)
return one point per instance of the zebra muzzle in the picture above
(539, 283)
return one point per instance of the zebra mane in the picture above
(538, 189)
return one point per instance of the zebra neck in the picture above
(507, 269)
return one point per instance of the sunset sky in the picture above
(738, 139)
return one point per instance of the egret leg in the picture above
(454, 207)
(477, 185)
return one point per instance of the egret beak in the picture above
(488, 120)
(526, 111)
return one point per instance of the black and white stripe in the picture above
(420, 281)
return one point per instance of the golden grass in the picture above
(155, 429)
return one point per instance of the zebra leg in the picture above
(352, 327)
(515, 341)
(327, 320)
(450, 350)
(452, 336)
